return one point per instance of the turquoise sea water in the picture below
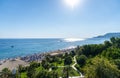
(10, 48)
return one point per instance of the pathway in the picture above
(73, 66)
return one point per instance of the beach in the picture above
(13, 63)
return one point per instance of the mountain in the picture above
(109, 35)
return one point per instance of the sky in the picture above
(57, 19)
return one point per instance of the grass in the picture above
(72, 72)
(58, 64)
(62, 63)
(24, 75)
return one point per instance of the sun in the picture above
(72, 3)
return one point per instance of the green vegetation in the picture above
(68, 60)
(103, 60)
(23, 75)
(101, 68)
(93, 61)
(6, 73)
(81, 60)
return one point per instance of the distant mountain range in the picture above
(109, 35)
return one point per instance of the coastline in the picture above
(13, 63)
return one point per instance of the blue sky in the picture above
(54, 19)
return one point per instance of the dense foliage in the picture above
(101, 68)
(103, 60)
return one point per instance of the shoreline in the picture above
(46, 52)
(13, 63)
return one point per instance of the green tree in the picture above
(44, 74)
(72, 53)
(117, 62)
(113, 40)
(6, 73)
(45, 64)
(54, 74)
(91, 50)
(112, 53)
(31, 69)
(21, 68)
(81, 60)
(34, 64)
(31, 73)
(66, 72)
(107, 44)
(68, 60)
(101, 68)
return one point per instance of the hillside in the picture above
(109, 35)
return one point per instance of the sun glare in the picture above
(72, 3)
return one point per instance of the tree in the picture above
(112, 53)
(66, 54)
(66, 72)
(54, 74)
(107, 44)
(45, 64)
(117, 62)
(72, 53)
(6, 73)
(101, 68)
(46, 74)
(31, 73)
(31, 69)
(91, 50)
(68, 60)
(34, 64)
(81, 60)
(21, 68)
(113, 40)
(48, 58)
(117, 42)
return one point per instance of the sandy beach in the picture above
(13, 63)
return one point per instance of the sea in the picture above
(12, 48)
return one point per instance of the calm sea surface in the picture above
(10, 48)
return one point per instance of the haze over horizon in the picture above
(58, 18)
